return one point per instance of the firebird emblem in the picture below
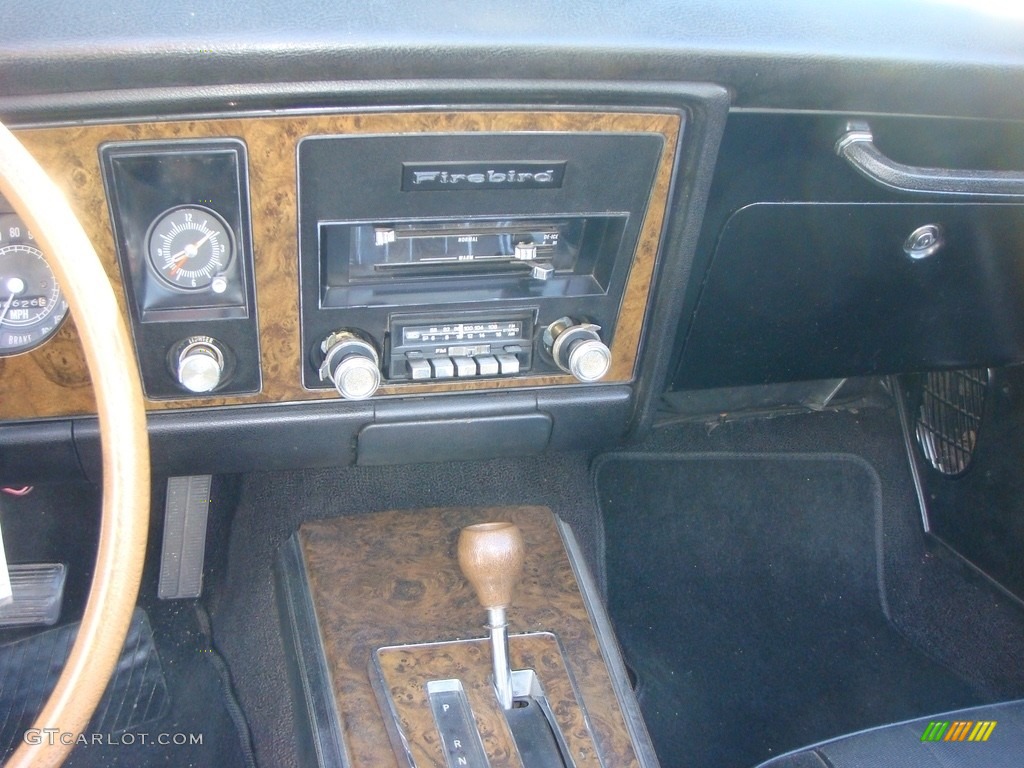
(420, 177)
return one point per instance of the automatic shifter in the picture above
(491, 558)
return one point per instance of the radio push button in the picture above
(442, 367)
(419, 368)
(464, 366)
(508, 364)
(488, 365)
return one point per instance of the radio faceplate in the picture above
(463, 345)
(406, 240)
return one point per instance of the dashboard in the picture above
(270, 359)
(371, 234)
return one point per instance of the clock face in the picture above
(189, 247)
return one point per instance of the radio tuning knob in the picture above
(577, 348)
(351, 363)
(200, 364)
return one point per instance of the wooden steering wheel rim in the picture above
(122, 417)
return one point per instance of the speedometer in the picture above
(32, 306)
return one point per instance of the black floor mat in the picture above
(29, 669)
(745, 591)
(166, 704)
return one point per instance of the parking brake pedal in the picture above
(186, 509)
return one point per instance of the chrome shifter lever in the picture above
(491, 558)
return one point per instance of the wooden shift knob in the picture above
(491, 559)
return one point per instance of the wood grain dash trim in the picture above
(52, 381)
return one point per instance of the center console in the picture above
(395, 666)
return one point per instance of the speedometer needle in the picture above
(15, 285)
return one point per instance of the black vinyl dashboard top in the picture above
(933, 57)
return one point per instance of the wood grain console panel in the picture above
(392, 578)
(53, 381)
(407, 670)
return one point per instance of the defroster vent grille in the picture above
(949, 417)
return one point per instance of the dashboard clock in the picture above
(180, 214)
(190, 247)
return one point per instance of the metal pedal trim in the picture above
(38, 593)
(186, 509)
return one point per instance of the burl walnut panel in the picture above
(53, 381)
(408, 669)
(393, 578)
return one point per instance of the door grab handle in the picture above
(857, 147)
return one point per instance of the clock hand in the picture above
(188, 252)
(205, 237)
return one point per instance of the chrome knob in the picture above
(577, 348)
(350, 363)
(200, 365)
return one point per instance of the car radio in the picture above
(427, 258)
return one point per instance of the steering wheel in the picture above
(125, 518)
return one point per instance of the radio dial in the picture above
(350, 363)
(577, 348)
